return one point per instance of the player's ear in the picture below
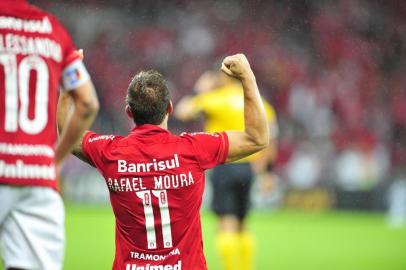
(169, 110)
(129, 112)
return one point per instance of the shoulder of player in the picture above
(23, 10)
(34, 10)
(92, 137)
(38, 12)
(190, 136)
(58, 27)
(30, 11)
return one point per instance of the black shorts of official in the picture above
(231, 189)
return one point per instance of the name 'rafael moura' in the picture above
(168, 181)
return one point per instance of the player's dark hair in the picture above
(148, 97)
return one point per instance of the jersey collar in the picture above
(148, 129)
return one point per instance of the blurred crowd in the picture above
(334, 70)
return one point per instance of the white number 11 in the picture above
(146, 198)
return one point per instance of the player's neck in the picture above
(163, 125)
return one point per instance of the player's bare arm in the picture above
(266, 158)
(255, 136)
(263, 164)
(76, 112)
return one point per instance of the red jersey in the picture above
(156, 182)
(36, 54)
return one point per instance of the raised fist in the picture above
(237, 66)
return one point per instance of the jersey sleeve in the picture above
(69, 49)
(211, 149)
(93, 145)
(74, 72)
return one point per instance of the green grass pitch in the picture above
(286, 240)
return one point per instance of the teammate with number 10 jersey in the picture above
(36, 56)
(156, 179)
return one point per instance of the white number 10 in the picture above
(146, 198)
(18, 78)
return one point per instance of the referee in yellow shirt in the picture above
(231, 182)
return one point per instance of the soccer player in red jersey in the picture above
(36, 57)
(156, 179)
